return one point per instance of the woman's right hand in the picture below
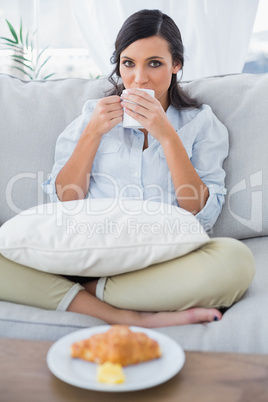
(107, 114)
(72, 182)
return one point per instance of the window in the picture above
(69, 56)
(257, 59)
(56, 28)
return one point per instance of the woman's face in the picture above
(147, 63)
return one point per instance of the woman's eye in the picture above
(128, 63)
(155, 63)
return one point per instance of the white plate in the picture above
(83, 374)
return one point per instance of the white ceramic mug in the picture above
(128, 121)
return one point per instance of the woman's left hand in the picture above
(148, 111)
(190, 190)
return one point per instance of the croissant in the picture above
(119, 345)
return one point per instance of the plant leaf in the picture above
(15, 56)
(12, 30)
(48, 76)
(40, 54)
(27, 40)
(32, 45)
(24, 72)
(42, 65)
(9, 48)
(8, 40)
(12, 46)
(21, 37)
(24, 64)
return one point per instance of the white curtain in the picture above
(215, 33)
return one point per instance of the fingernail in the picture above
(216, 318)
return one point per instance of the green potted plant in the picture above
(24, 57)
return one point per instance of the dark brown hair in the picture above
(144, 24)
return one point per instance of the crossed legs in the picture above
(186, 290)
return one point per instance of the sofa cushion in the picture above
(25, 322)
(241, 102)
(99, 237)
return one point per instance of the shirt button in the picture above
(136, 174)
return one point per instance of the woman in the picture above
(176, 158)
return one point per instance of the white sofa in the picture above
(34, 113)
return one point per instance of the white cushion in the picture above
(99, 237)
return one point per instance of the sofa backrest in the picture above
(34, 113)
(240, 101)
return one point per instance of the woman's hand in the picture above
(190, 191)
(72, 182)
(148, 111)
(107, 114)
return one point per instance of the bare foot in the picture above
(86, 303)
(194, 315)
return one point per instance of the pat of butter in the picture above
(110, 373)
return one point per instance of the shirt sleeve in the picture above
(209, 150)
(65, 146)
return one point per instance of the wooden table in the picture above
(208, 377)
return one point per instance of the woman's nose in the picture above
(140, 76)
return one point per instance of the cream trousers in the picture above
(215, 275)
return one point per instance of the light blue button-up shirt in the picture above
(122, 169)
